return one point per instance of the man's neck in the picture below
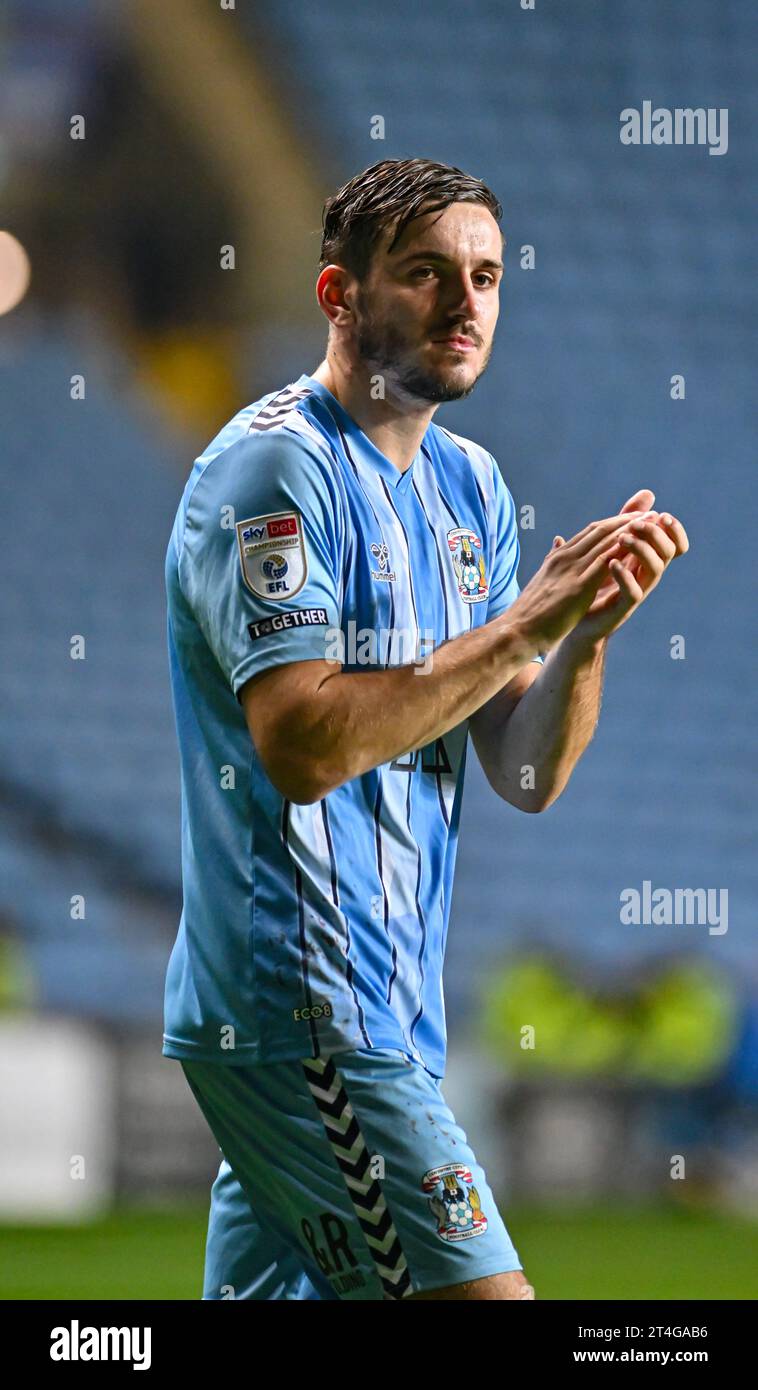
(394, 428)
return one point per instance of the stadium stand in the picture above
(575, 406)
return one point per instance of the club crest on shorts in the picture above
(455, 1202)
(272, 554)
(468, 563)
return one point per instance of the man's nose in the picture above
(463, 299)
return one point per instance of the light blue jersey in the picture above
(308, 930)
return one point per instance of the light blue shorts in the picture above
(343, 1177)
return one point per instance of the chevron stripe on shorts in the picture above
(351, 1152)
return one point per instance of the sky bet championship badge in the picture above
(272, 554)
(468, 563)
(455, 1202)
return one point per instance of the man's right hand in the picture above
(567, 581)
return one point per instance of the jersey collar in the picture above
(375, 458)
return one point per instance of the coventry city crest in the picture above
(468, 563)
(455, 1202)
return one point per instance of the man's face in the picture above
(426, 313)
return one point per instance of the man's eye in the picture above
(424, 271)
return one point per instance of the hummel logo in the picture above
(382, 555)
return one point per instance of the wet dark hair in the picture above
(392, 191)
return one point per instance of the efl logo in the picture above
(272, 555)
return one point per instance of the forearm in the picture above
(551, 725)
(359, 720)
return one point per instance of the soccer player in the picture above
(343, 607)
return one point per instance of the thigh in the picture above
(243, 1258)
(285, 1190)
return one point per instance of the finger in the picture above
(656, 536)
(586, 543)
(628, 554)
(595, 573)
(645, 552)
(620, 552)
(642, 501)
(630, 590)
(608, 543)
(677, 532)
(608, 520)
(557, 542)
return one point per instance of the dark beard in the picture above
(382, 347)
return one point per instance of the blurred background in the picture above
(162, 173)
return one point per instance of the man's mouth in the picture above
(460, 342)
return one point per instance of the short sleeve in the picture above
(504, 585)
(260, 562)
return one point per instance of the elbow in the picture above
(298, 794)
(531, 808)
(301, 779)
(523, 799)
(536, 801)
(302, 786)
(532, 803)
(307, 764)
(531, 800)
(506, 784)
(537, 804)
(297, 748)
